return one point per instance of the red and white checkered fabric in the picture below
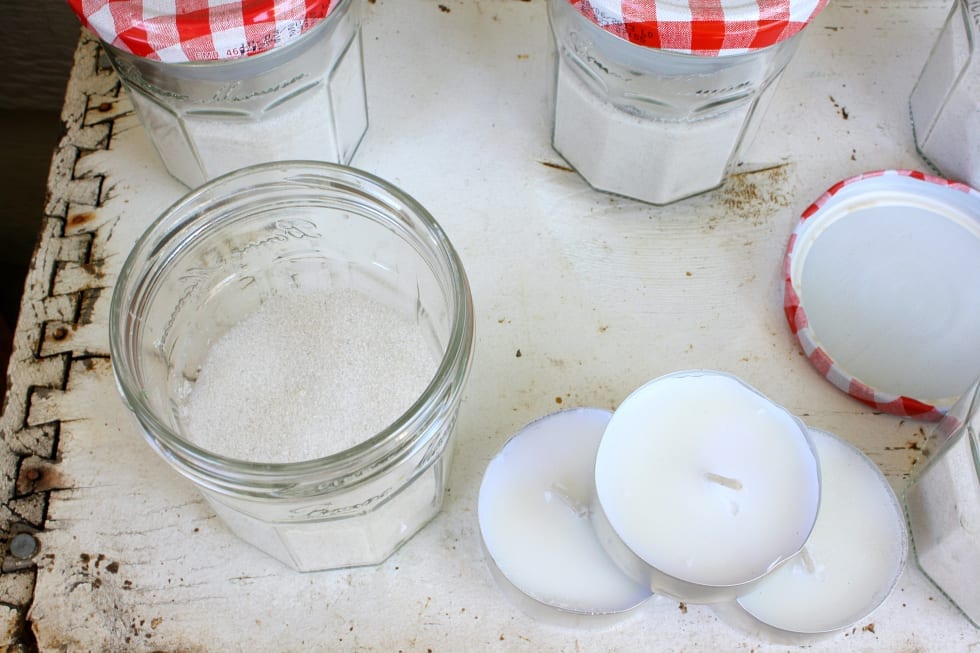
(177, 31)
(799, 324)
(701, 27)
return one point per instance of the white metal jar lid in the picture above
(534, 520)
(881, 289)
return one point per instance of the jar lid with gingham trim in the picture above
(880, 288)
(701, 27)
(176, 31)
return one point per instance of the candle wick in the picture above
(581, 509)
(731, 483)
(808, 562)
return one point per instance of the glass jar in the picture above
(654, 124)
(212, 260)
(943, 504)
(301, 100)
(945, 102)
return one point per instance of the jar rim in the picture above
(141, 272)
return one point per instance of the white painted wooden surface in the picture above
(597, 293)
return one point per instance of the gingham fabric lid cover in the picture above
(701, 27)
(177, 31)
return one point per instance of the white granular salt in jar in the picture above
(945, 102)
(307, 376)
(219, 86)
(325, 122)
(666, 170)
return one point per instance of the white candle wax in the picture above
(707, 481)
(853, 558)
(534, 517)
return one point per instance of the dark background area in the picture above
(37, 49)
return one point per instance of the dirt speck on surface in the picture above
(556, 166)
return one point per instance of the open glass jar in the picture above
(641, 116)
(222, 98)
(211, 261)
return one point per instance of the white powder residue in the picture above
(305, 376)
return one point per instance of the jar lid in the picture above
(701, 27)
(205, 30)
(534, 513)
(881, 289)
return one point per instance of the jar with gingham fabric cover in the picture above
(655, 98)
(222, 84)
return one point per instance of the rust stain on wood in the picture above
(86, 308)
(60, 333)
(40, 476)
(80, 219)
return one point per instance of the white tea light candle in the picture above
(703, 485)
(852, 560)
(534, 519)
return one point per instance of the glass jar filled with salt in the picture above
(655, 98)
(943, 504)
(222, 85)
(945, 102)
(294, 338)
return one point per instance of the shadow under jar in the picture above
(292, 90)
(655, 101)
(302, 230)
